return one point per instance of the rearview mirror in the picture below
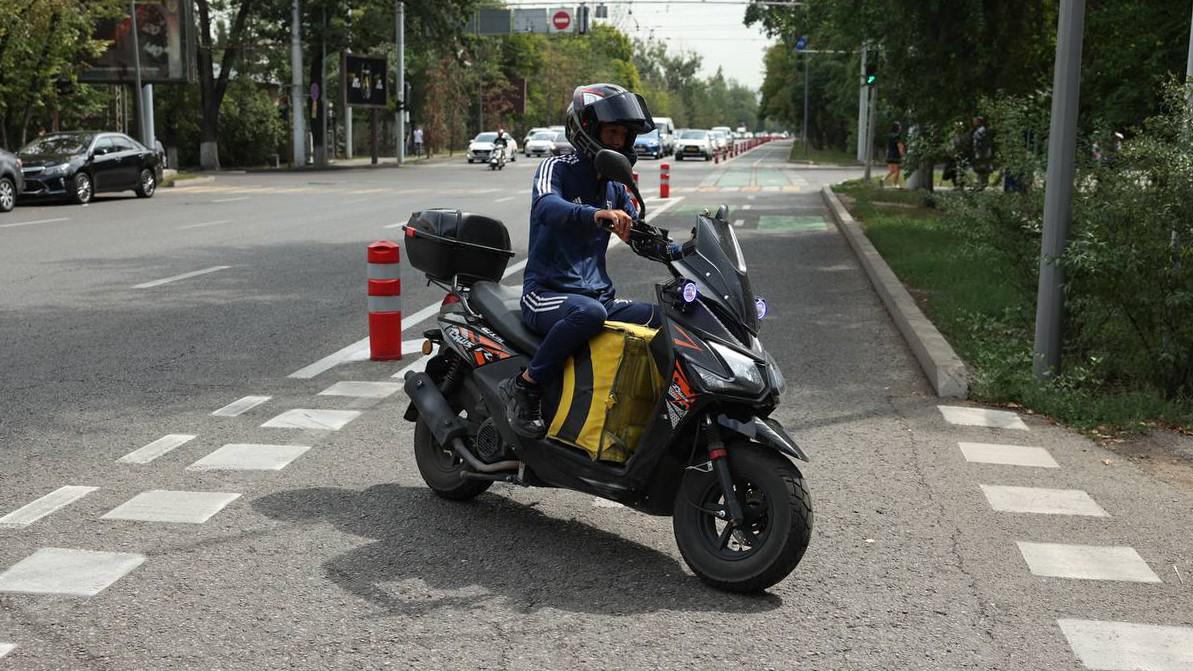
(615, 166)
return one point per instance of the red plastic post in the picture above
(385, 301)
(665, 180)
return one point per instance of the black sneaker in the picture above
(523, 407)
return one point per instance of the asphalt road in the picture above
(341, 558)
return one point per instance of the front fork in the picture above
(718, 455)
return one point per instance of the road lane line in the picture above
(230, 200)
(166, 280)
(6, 648)
(738, 223)
(69, 572)
(241, 406)
(55, 500)
(32, 223)
(156, 449)
(504, 200)
(397, 225)
(206, 223)
(1127, 645)
(1086, 562)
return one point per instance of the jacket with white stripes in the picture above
(567, 248)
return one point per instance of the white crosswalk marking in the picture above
(312, 418)
(361, 389)
(6, 648)
(1126, 646)
(156, 449)
(1086, 562)
(55, 500)
(249, 457)
(1041, 501)
(241, 406)
(172, 507)
(995, 419)
(67, 571)
(1009, 455)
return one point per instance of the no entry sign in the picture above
(561, 20)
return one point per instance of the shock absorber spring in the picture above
(455, 373)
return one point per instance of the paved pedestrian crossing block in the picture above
(1041, 501)
(249, 457)
(172, 507)
(362, 389)
(598, 502)
(6, 648)
(995, 419)
(1008, 455)
(55, 500)
(307, 418)
(67, 571)
(1086, 562)
(1126, 646)
(157, 448)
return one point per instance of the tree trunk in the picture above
(212, 89)
(318, 142)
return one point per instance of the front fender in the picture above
(765, 432)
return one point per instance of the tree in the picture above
(213, 86)
(43, 42)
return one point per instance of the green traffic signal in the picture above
(871, 74)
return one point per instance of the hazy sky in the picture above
(715, 32)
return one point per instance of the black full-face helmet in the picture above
(597, 104)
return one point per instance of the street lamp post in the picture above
(1058, 194)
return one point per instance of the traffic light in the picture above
(871, 75)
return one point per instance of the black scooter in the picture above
(711, 458)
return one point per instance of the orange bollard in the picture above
(716, 158)
(665, 180)
(385, 302)
(636, 203)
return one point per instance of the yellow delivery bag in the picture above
(608, 392)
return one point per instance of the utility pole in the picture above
(322, 155)
(137, 73)
(1058, 194)
(807, 75)
(1189, 61)
(869, 154)
(861, 110)
(298, 134)
(400, 38)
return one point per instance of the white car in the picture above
(694, 142)
(482, 145)
(542, 144)
(530, 135)
(719, 139)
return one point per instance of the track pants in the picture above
(567, 321)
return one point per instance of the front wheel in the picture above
(81, 188)
(776, 530)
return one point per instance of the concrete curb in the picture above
(193, 181)
(940, 363)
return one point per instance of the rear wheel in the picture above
(8, 194)
(775, 533)
(441, 467)
(146, 184)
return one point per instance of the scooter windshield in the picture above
(718, 267)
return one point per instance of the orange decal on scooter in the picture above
(688, 341)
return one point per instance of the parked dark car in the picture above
(11, 180)
(78, 165)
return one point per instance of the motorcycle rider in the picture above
(566, 292)
(501, 142)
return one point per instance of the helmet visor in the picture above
(627, 109)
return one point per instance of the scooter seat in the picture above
(501, 306)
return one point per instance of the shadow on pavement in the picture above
(490, 549)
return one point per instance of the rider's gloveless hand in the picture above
(618, 220)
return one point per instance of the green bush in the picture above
(251, 128)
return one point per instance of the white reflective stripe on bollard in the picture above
(384, 271)
(385, 303)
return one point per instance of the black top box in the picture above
(454, 246)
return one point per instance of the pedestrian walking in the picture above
(418, 141)
(896, 149)
(983, 152)
(958, 159)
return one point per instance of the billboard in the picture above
(165, 35)
(366, 83)
(530, 20)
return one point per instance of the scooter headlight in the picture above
(746, 377)
(777, 381)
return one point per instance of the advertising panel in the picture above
(165, 35)
(366, 83)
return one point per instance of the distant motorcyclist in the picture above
(501, 141)
(566, 292)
